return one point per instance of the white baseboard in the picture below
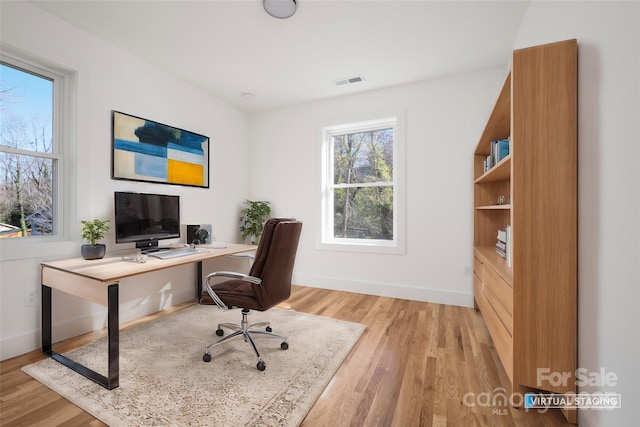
(393, 290)
(19, 344)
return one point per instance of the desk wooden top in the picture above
(111, 269)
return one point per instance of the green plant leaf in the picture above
(253, 218)
(94, 230)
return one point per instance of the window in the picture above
(362, 194)
(30, 149)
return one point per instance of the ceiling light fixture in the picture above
(280, 9)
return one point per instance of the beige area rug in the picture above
(163, 380)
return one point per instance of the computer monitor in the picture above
(146, 218)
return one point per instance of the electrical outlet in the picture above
(30, 298)
(468, 271)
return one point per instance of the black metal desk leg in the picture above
(46, 320)
(199, 280)
(113, 330)
(113, 324)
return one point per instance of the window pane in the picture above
(26, 105)
(26, 195)
(363, 213)
(363, 157)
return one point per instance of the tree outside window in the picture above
(362, 191)
(363, 185)
(28, 157)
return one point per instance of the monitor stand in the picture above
(150, 247)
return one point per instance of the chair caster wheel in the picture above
(284, 345)
(261, 366)
(268, 329)
(219, 332)
(206, 358)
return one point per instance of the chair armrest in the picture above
(229, 274)
(234, 275)
(250, 255)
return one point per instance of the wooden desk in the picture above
(97, 281)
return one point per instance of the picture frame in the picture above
(147, 151)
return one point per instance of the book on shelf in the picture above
(503, 244)
(499, 150)
(508, 245)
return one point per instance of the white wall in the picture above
(445, 118)
(608, 35)
(110, 79)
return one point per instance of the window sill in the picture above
(51, 247)
(393, 248)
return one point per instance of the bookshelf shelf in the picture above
(494, 207)
(529, 303)
(499, 172)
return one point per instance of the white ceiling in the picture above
(231, 47)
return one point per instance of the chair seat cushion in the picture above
(234, 293)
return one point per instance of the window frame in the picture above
(394, 119)
(63, 145)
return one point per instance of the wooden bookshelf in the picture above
(530, 306)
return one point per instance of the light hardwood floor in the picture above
(413, 366)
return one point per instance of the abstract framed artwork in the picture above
(148, 151)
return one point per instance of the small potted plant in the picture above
(93, 231)
(253, 218)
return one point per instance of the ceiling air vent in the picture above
(349, 80)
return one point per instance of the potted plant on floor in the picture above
(253, 218)
(93, 231)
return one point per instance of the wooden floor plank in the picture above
(413, 366)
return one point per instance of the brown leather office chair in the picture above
(267, 284)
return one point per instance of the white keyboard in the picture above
(174, 253)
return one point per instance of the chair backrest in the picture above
(275, 258)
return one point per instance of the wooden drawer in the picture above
(477, 290)
(500, 295)
(502, 340)
(478, 268)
